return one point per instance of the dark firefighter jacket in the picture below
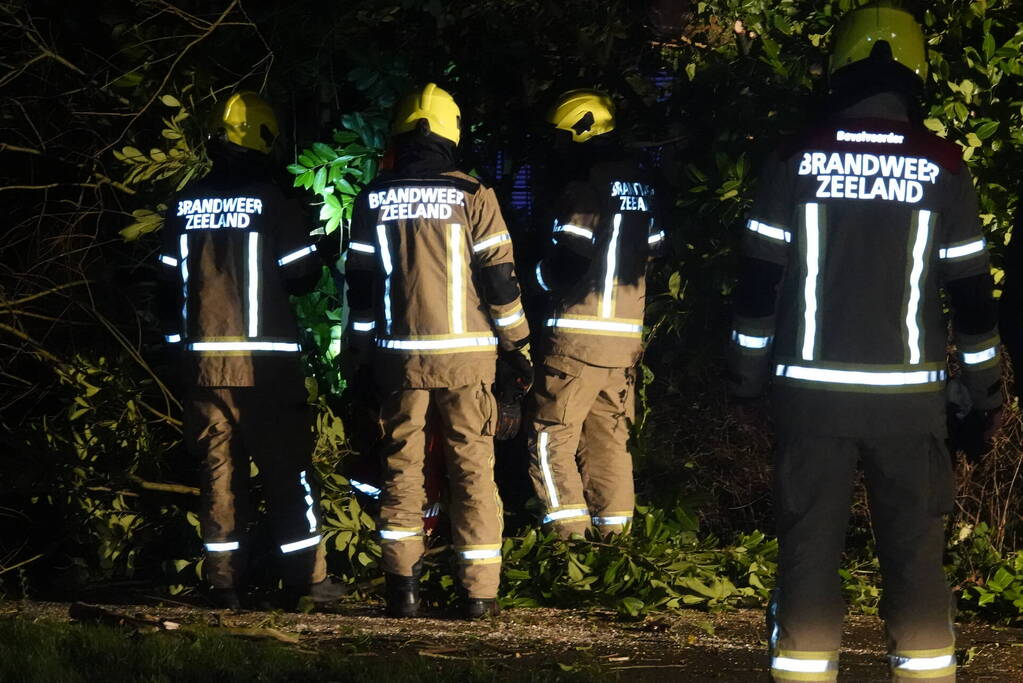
(431, 277)
(230, 243)
(863, 221)
(605, 231)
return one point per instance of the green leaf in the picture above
(296, 169)
(170, 100)
(325, 152)
(986, 130)
(320, 181)
(307, 160)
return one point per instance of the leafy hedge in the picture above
(91, 426)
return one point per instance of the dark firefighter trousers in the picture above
(477, 516)
(909, 488)
(227, 427)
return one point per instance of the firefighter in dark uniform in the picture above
(234, 248)
(435, 302)
(604, 232)
(856, 228)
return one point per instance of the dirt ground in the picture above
(687, 646)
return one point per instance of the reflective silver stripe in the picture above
(183, 246)
(362, 247)
(479, 554)
(865, 377)
(300, 545)
(385, 256)
(455, 263)
(963, 250)
(567, 513)
(574, 230)
(610, 268)
(369, 490)
(509, 319)
(310, 515)
(539, 278)
(913, 307)
(296, 255)
(655, 238)
(748, 342)
(813, 247)
(285, 347)
(432, 511)
(253, 284)
(172, 338)
(545, 468)
(500, 238)
(169, 260)
(391, 535)
(921, 663)
(436, 344)
(359, 326)
(607, 326)
(975, 357)
(770, 231)
(619, 520)
(222, 547)
(808, 666)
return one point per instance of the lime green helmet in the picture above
(861, 31)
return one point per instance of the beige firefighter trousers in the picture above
(579, 461)
(468, 414)
(225, 428)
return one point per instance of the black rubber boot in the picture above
(225, 598)
(402, 594)
(478, 608)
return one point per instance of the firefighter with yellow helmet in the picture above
(234, 248)
(434, 303)
(605, 229)
(857, 226)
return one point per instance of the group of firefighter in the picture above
(860, 225)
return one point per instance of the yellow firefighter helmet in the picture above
(246, 120)
(434, 104)
(584, 113)
(861, 30)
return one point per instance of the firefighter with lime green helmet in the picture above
(435, 304)
(234, 248)
(858, 226)
(604, 229)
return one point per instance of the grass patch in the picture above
(54, 652)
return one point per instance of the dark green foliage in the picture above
(87, 425)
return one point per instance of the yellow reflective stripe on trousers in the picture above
(300, 545)
(610, 269)
(797, 665)
(400, 533)
(479, 554)
(923, 664)
(253, 259)
(542, 440)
